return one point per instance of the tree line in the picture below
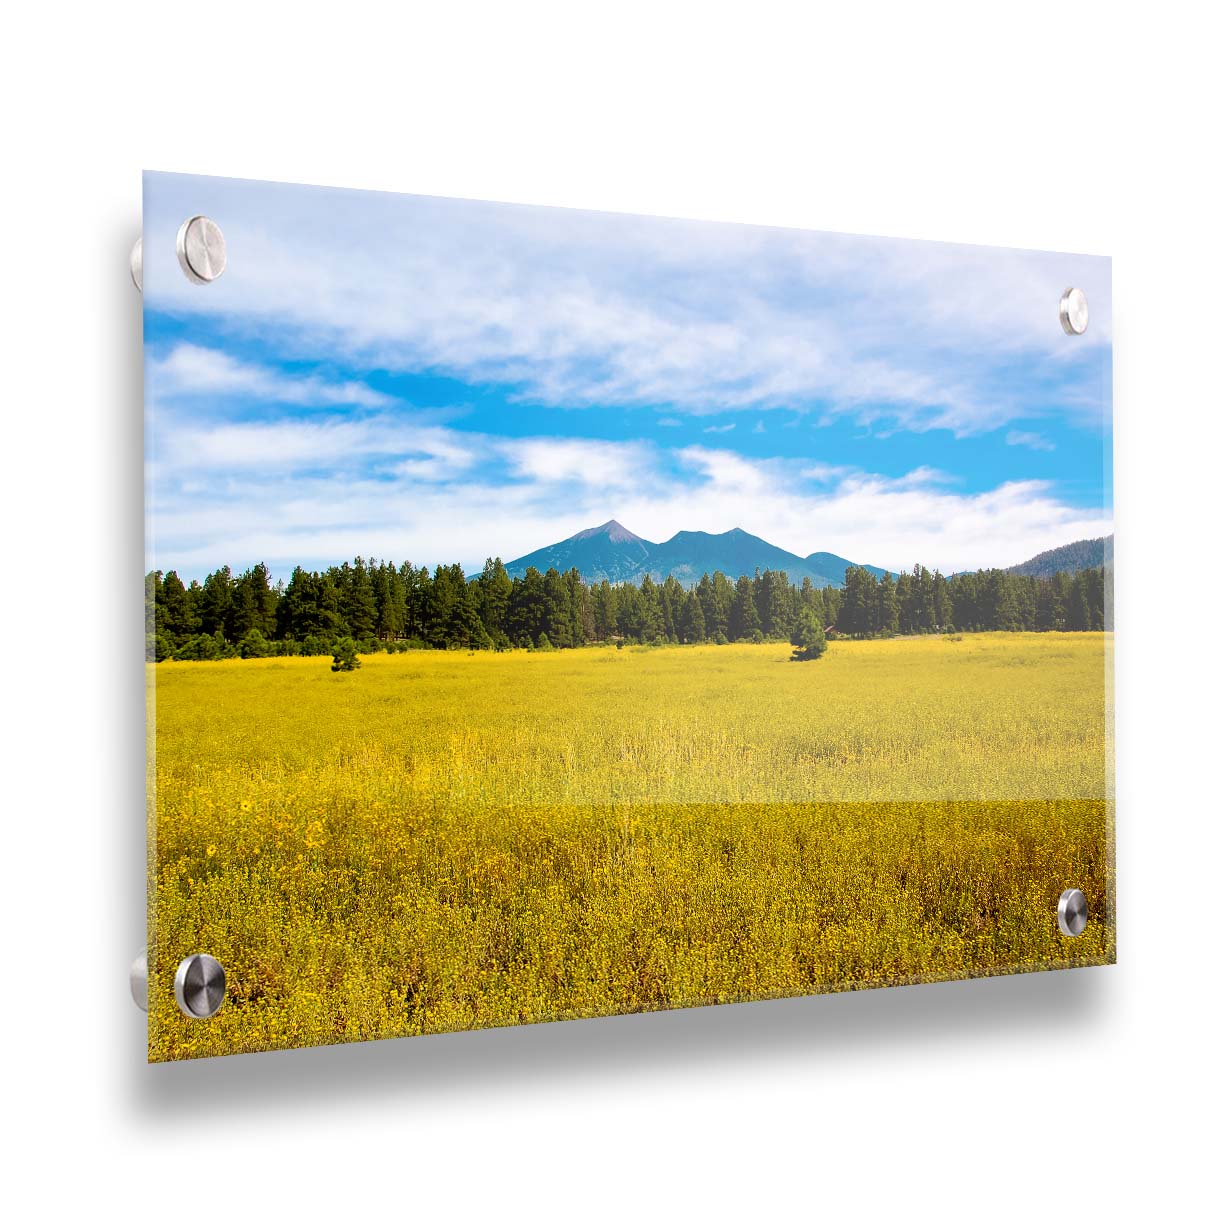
(381, 606)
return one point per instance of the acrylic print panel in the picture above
(557, 614)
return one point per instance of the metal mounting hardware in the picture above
(138, 980)
(199, 986)
(1073, 312)
(201, 250)
(1072, 912)
(136, 264)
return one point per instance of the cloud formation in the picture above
(1034, 441)
(238, 493)
(285, 429)
(189, 369)
(572, 308)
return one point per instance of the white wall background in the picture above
(1075, 126)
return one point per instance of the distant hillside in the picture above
(689, 554)
(833, 567)
(613, 552)
(1069, 559)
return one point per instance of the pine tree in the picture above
(392, 599)
(775, 604)
(359, 610)
(495, 588)
(857, 613)
(671, 598)
(652, 610)
(525, 618)
(630, 621)
(444, 592)
(604, 611)
(886, 620)
(464, 626)
(345, 657)
(939, 600)
(178, 621)
(558, 613)
(582, 625)
(807, 637)
(717, 595)
(744, 621)
(692, 619)
(216, 601)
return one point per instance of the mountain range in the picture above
(1069, 559)
(613, 552)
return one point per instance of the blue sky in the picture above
(440, 380)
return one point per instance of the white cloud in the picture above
(578, 308)
(240, 493)
(893, 523)
(596, 463)
(335, 445)
(726, 469)
(1034, 441)
(189, 369)
(918, 478)
(823, 473)
(719, 428)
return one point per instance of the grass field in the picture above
(445, 840)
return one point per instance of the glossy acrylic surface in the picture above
(556, 614)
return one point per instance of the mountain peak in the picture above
(608, 551)
(612, 529)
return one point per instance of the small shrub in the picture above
(345, 656)
(203, 646)
(808, 638)
(254, 645)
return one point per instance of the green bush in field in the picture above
(808, 638)
(253, 645)
(345, 657)
(205, 646)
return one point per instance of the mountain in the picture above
(1069, 559)
(833, 568)
(608, 551)
(613, 552)
(689, 554)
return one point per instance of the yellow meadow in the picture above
(444, 840)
